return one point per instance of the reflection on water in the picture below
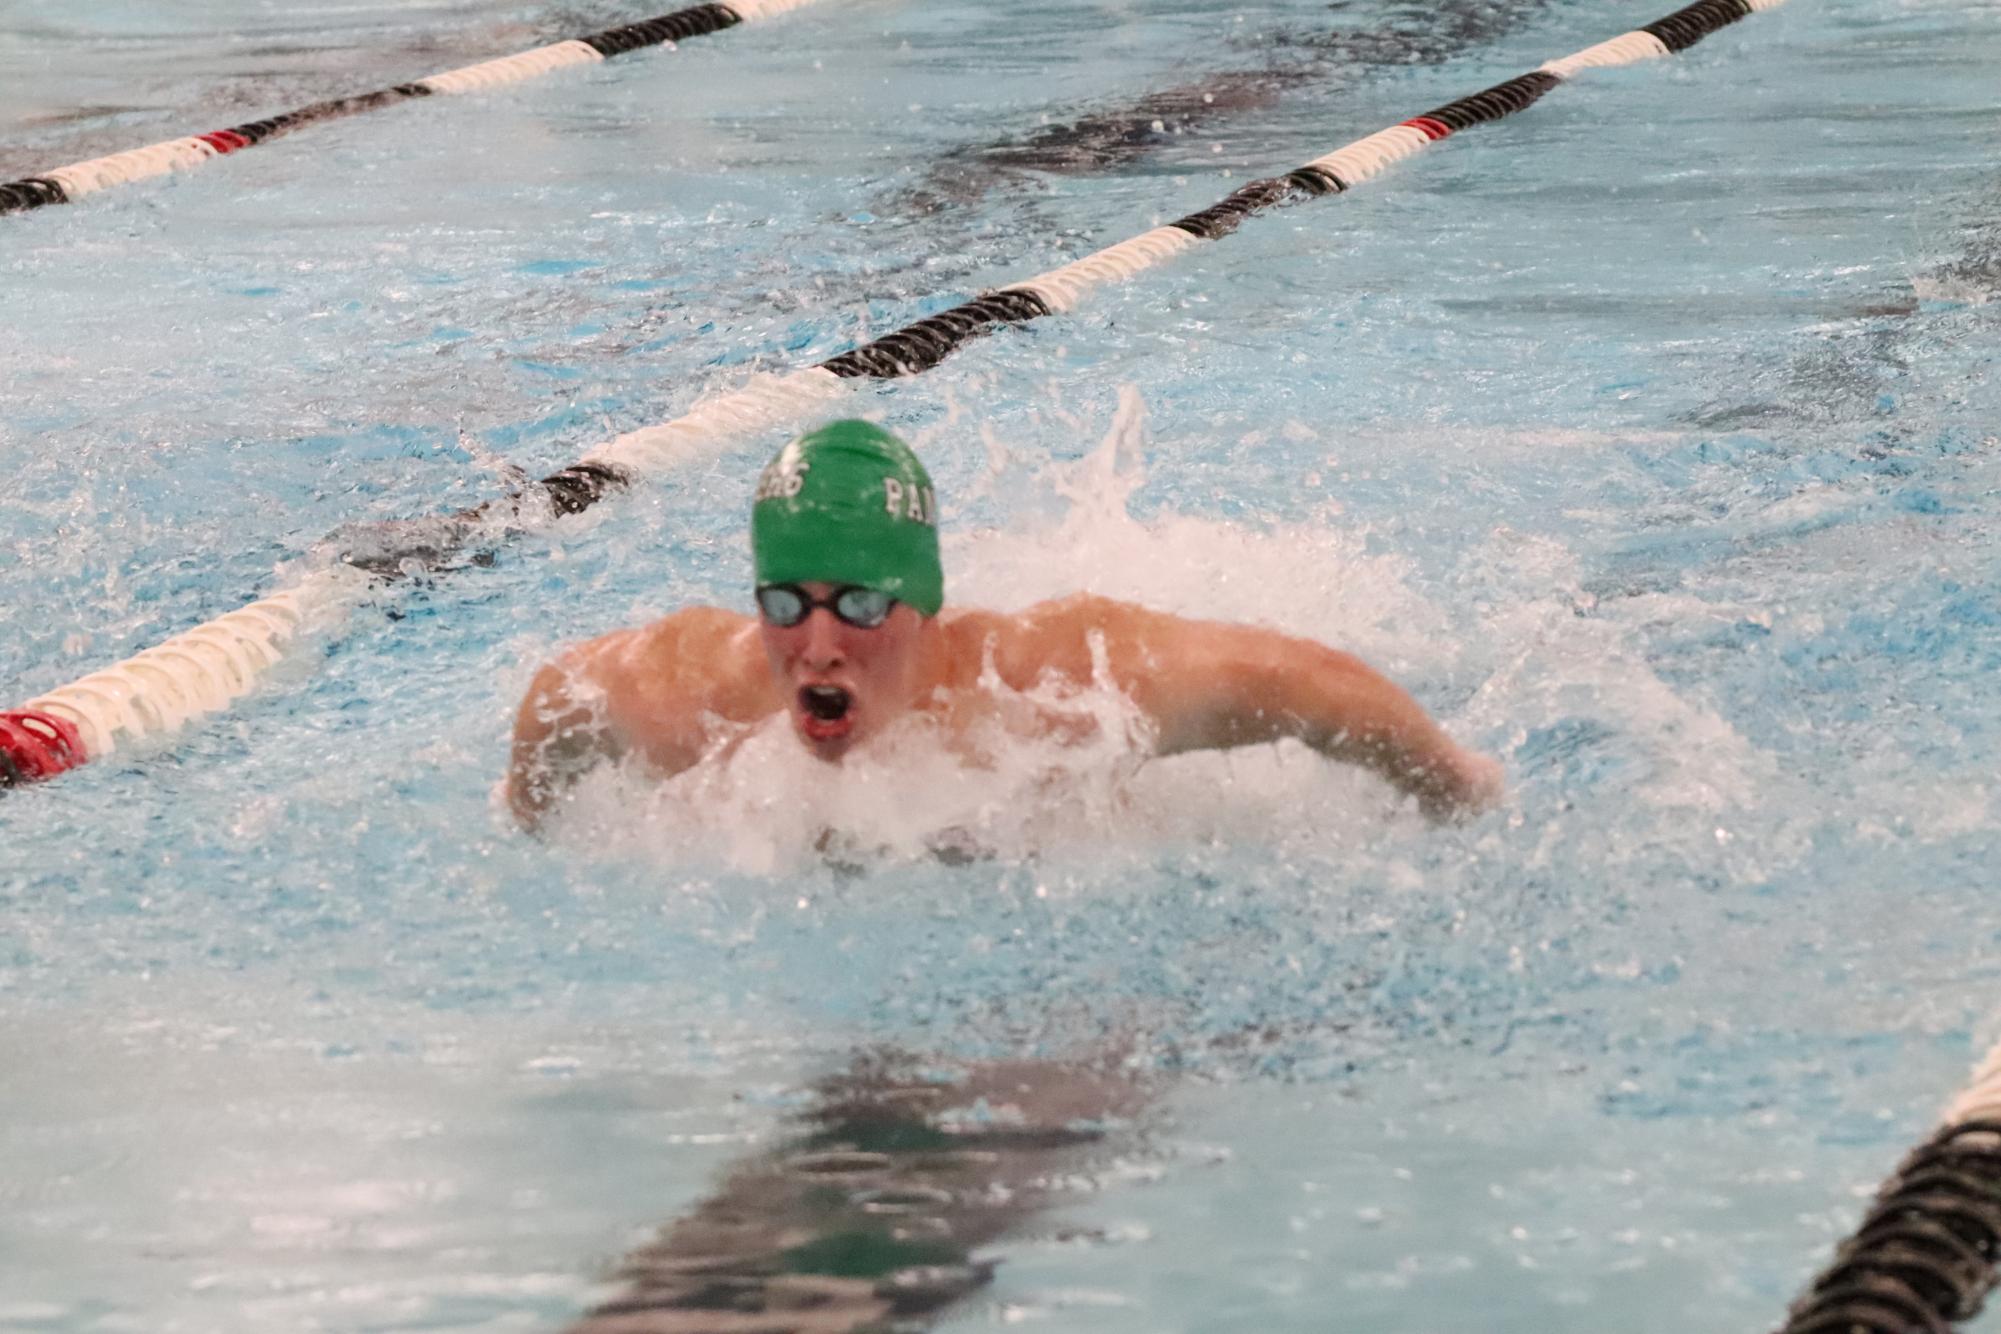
(875, 1208)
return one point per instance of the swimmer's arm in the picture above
(560, 733)
(655, 693)
(1210, 686)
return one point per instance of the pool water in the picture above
(1649, 437)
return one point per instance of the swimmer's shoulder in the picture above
(704, 658)
(700, 637)
(1050, 636)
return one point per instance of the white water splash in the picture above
(768, 806)
(1541, 657)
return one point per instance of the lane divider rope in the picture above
(1923, 1258)
(66, 184)
(205, 669)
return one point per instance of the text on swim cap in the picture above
(784, 476)
(910, 502)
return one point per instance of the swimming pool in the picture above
(1649, 435)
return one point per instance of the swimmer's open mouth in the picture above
(828, 704)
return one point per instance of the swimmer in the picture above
(852, 634)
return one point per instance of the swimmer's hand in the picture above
(1459, 785)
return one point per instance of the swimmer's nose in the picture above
(823, 640)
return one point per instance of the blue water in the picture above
(1648, 436)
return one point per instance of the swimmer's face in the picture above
(841, 682)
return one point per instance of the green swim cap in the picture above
(849, 504)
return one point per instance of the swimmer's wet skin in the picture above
(852, 634)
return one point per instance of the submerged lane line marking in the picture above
(65, 184)
(204, 670)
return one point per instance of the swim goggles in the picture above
(786, 605)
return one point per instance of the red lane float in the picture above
(36, 745)
(225, 141)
